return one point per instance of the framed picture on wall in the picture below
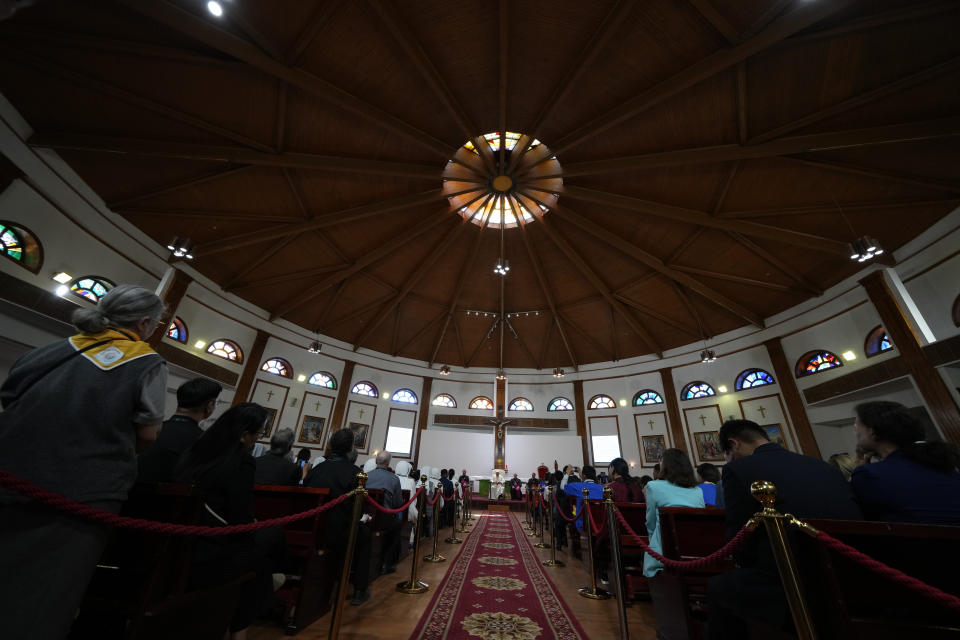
(653, 448)
(708, 446)
(775, 434)
(311, 430)
(268, 425)
(360, 433)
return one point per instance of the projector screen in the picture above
(474, 451)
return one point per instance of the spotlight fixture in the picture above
(444, 370)
(501, 375)
(314, 347)
(864, 248)
(708, 355)
(558, 373)
(182, 248)
(502, 267)
(215, 8)
(62, 277)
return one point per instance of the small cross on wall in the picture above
(763, 411)
(269, 395)
(703, 419)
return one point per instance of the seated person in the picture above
(806, 487)
(624, 487)
(709, 476)
(196, 401)
(381, 477)
(575, 489)
(274, 467)
(220, 465)
(915, 480)
(338, 473)
(303, 461)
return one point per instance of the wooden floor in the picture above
(390, 615)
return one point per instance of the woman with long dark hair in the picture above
(915, 480)
(625, 487)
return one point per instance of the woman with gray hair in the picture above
(75, 413)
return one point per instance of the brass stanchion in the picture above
(543, 517)
(413, 585)
(526, 509)
(593, 592)
(612, 527)
(552, 562)
(533, 513)
(463, 512)
(435, 557)
(453, 539)
(360, 493)
(776, 526)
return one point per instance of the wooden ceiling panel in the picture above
(323, 192)
(691, 187)
(279, 22)
(743, 14)
(258, 190)
(925, 160)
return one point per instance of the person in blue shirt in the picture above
(915, 480)
(575, 489)
(710, 484)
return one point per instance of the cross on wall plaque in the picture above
(269, 395)
(763, 411)
(650, 422)
(361, 412)
(316, 406)
(703, 420)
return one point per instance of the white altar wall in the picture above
(474, 451)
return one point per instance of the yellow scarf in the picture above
(124, 346)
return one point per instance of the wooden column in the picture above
(340, 406)
(580, 408)
(171, 297)
(791, 395)
(943, 408)
(251, 367)
(423, 420)
(674, 421)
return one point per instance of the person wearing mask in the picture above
(274, 467)
(196, 401)
(915, 480)
(709, 476)
(806, 487)
(381, 477)
(625, 488)
(75, 414)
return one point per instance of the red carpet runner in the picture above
(497, 590)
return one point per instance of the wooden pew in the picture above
(633, 583)
(378, 523)
(306, 593)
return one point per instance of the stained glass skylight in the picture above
(649, 396)
(177, 330)
(601, 402)
(278, 367)
(816, 361)
(226, 349)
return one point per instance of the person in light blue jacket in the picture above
(675, 486)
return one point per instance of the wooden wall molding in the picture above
(797, 413)
(579, 409)
(171, 297)
(453, 419)
(346, 383)
(251, 367)
(423, 420)
(674, 421)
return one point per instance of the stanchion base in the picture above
(554, 563)
(453, 540)
(415, 587)
(434, 558)
(594, 594)
(541, 545)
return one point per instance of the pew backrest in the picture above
(276, 501)
(687, 532)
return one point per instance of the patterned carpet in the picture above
(497, 590)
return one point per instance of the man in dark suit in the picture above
(806, 487)
(446, 514)
(274, 467)
(338, 474)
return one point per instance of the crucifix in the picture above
(269, 395)
(316, 407)
(703, 420)
(763, 412)
(500, 422)
(650, 422)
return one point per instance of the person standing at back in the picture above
(75, 414)
(381, 477)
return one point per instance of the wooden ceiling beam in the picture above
(859, 207)
(362, 311)
(286, 277)
(327, 308)
(503, 19)
(887, 176)
(778, 263)
(885, 134)
(775, 9)
(211, 35)
(741, 101)
(154, 212)
(673, 322)
(172, 187)
(237, 16)
(546, 345)
(523, 345)
(590, 340)
(456, 328)
(344, 216)
(738, 279)
(688, 304)
(716, 20)
(280, 127)
(803, 15)
(420, 333)
(389, 14)
(396, 330)
(322, 14)
(689, 216)
(267, 255)
(235, 155)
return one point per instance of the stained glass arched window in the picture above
(955, 312)
(278, 367)
(877, 342)
(323, 379)
(226, 349)
(481, 402)
(816, 361)
(404, 395)
(365, 389)
(445, 400)
(91, 288)
(647, 396)
(753, 378)
(601, 402)
(20, 245)
(697, 389)
(10, 243)
(177, 330)
(560, 404)
(521, 404)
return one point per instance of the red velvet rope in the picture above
(382, 508)
(560, 510)
(699, 563)
(72, 507)
(593, 523)
(924, 589)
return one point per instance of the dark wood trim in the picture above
(579, 408)
(943, 408)
(515, 423)
(424, 418)
(783, 373)
(174, 293)
(346, 383)
(251, 367)
(590, 420)
(413, 434)
(674, 421)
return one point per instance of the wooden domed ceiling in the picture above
(702, 152)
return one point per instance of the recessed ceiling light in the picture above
(62, 290)
(199, 344)
(849, 355)
(385, 395)
(62, 277)
(722, 389)
(623, 402)
(215, 8)
(301, 378)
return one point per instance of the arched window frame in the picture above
(744, 379)
(806, 359)
(513, 406)
(88, 283)
(646, 396)
(484, 400)
(237, 352)
(30, 250)
(877, 341)
(330, 383)
(445, 400)
(277, 367)
(956, 312)
(696, 390)
(601, 401)
(178, 325)
(365, 388)
(406, 396)
(560, 404)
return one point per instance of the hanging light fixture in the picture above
(314, 347)
(864, 248)
(558, 373)
(501, 374)
(502, 267)
(181, 248)
(444, 370)
(708, 355)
